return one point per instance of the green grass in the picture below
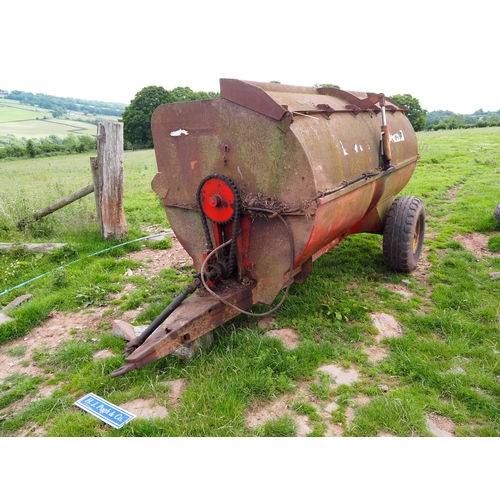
(25, 121)
(12, 111)
(284, 426)
(35, 129)
(445, 364)
(32, 184)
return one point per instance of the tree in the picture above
(180, 94)
(30, 148)
(57, 112)
(416, 114)
(329, 85)
(494, 118)
(87, 143)
(137, 115)
(136, 118)
(453, 123)
(70, 144)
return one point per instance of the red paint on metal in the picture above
(244, 262)
(217, 200)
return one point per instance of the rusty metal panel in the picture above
(312, 153)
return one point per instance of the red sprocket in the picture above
(218, 198)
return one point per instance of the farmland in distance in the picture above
(34, 123)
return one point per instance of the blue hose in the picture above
(168, 233)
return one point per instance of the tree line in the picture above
(447, 120)
(12, 147)
(421, 119)
(62, 105)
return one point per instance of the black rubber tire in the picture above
(404, 234)
(496, 212)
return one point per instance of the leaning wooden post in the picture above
(62, 203)
(107, 172)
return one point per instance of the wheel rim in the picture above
(416, 236)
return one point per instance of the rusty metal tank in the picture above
(311, 153)
(260, 183)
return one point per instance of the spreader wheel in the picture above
(404, 234)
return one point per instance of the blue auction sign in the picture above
(104, 410)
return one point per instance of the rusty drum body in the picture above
(308, 152)
(269, 175)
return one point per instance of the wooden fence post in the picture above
(107, 172)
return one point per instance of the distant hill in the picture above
(21, 122)
(61, 105)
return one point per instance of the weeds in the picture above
(17, 351)
(92, 295)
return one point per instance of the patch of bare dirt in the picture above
(361, 400)
(386, 325)
(475, 243)
(50, 335)
(452, 193)
(349, 416)
(288, 336)
(259, 415)
(304, 427)
(376, 353)
(145, 408)
(153, 261)
(421, 272)
(105, 353)
(339, 375)
(399, 289)
(177, 387)
(266, 322)
(440, 426)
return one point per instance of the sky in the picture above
(443, 53)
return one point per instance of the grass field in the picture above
(42, 181)
(445, 365)
(25, 121)
(11, 111)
